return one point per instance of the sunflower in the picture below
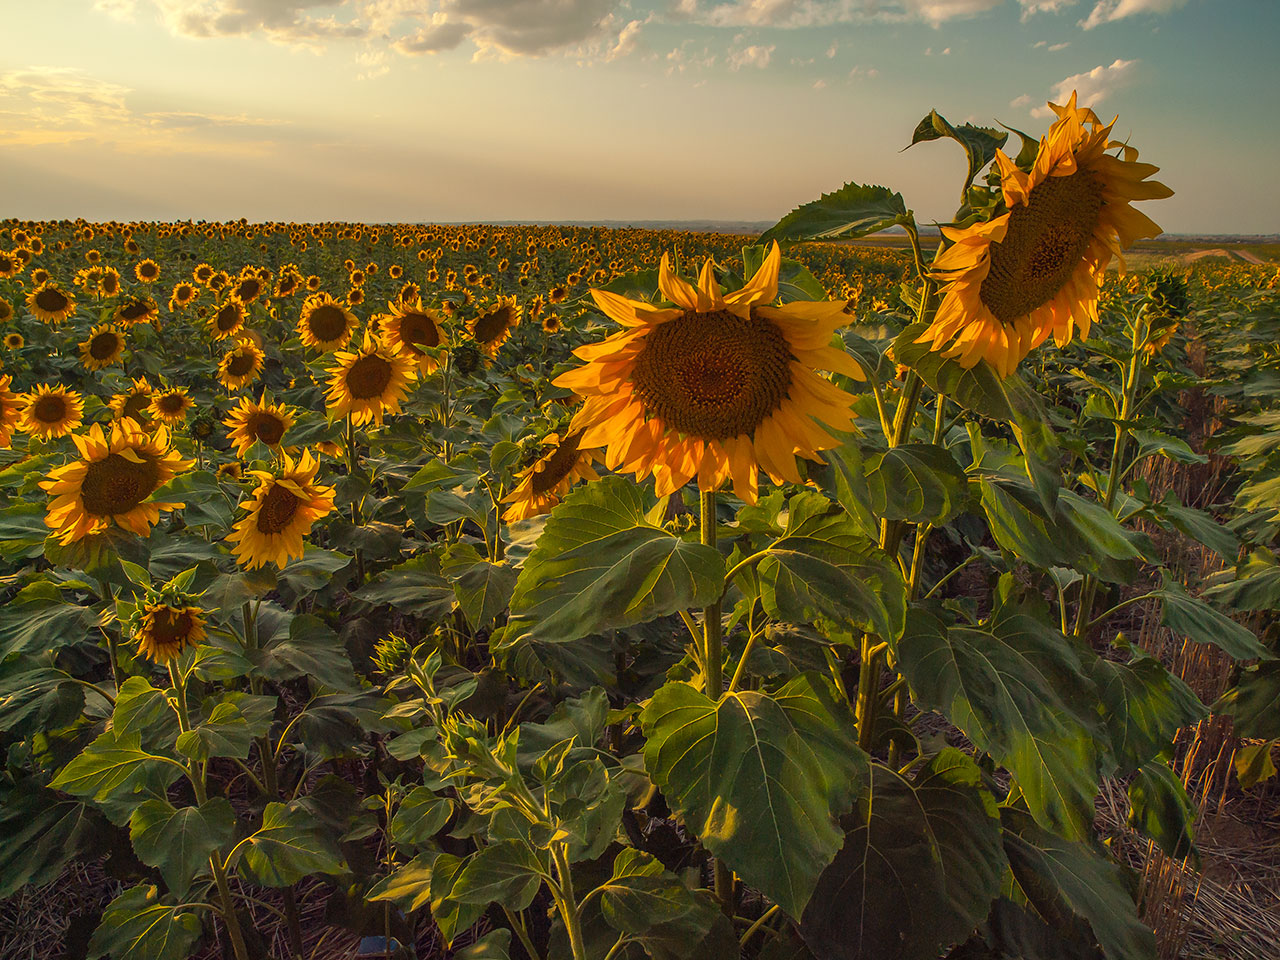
(409, 327)
(227, 320)
(258, 422)
(9, 265)
(50, 303)
(166, 631)
(13, 341)
(170, 406)
(240, 365)
(10, 409)
(249, 287)
(280, 513)
(111, 482)
(184, 294)
(6, 310)
(1037, 269)
(325, 324)
(714, 387)
(541, 486)
(368, 382)
(492, 328)
(134, 403)
(103, 348)
(148, 271)
(202, 274)
(230, 471)
(51, 411)
(136, 309)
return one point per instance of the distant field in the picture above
(1145, 253)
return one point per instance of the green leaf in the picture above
(506, 872)
(36, 698)
(852, 211)
(308, 649)
(313, 571)
(179, 841)
(22, 531)
(760, 779)
(483, 589)
(980, 143)
(1253, 764)
(848, 484)
(1017, 690)
(38, 619)
(139, 707)
(115, 766)
(451, 915)
(289, 846)
(652, 906)
(444, 507)
(795, 282)
(1153, 442)
(1159, 808)
(919, 482)
(823, 567)
(1061, 877)
(921, 863)
(1254, 702)
(207, 503)
(494, 945)
(138, 925)
(1142, 706)
(415, 588)
(409, 886)
(39, 833)
(419, 817)
(225, 734)
(1200, 527)
(977, 388)
(1200, 623)
(600, 565)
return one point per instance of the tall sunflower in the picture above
(148, 271)
(165, 631)
(103, 348)
(325, 323)
(280, 513)
(491, 329)
(227, 320)
(541, 486)
(716, 386)
(257, 421)
(112, 482)
(240, 365)
(1037, 270)
(410, 327)
(49, 412)
(134, 403)
(50, 303)
(170, 405)
(10, 409)
(368, 382)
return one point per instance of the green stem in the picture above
(712, 652)
(751, 930)
(517, 926)
(229, 915)
(565, 901)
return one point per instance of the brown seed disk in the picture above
(278, 508)
(50, 408)
(327, 323)
(267, 428)
(368, 377)
(557, 466)
(103, 346)
(115, 485)
(713, 375)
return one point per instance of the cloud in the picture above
(1032, 7)
(753, 56)
(116, 9)
(439, 35)
(628, 41)
(1093, 87)
(1054, 48)
(1019, 102)
(291, 22)
(1106, 11)
(869, 72)
(819, 84)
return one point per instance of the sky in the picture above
(484, 110)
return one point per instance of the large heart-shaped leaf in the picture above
(180, 840)
(855, 210)
(138, 925)
(1142, 706)
(919, 482)
(760, 779)
(288, 846)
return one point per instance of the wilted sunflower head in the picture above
(164, 631)
(51, 411)
(103, 348)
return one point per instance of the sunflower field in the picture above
(559, 592)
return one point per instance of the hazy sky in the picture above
(421, 110)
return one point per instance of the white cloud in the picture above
(756, 55)
(869, 72)
(117, 9)
(1019, 102)
(833, 49)
(1039, 44)
(819, 84)
(1092, 87)
(1106, 11)
(1031, 7)
(438, 35)
(628, 41)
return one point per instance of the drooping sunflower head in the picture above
(715, 386)
(136, 309)
(368, 383)
(148, 271)
(6, 310)
(227, 320)
(103, 348)
(491, 328)
(112, 482)
(241, 364)
(10, 409)
(50, 303)
(51, 411)
(325, 324)
(541, 486)
(134, 403)
(409, 328)
(258, 422)
(1012, 281)
(171, 405)
(280, 513)
(164, 631)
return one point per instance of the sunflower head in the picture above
(10, 410)
(6, 310)
(227, 320)
(325, 324)
(51, 411)
(136, 309)
(103, 348)
(540, 486)
(170, 406)
(134, 403)
(148, 271)
(368, 383)
(1036, 270)
(163, 631)
(258, 422)
(241, 364)
(280, 513)
(14, 341)
(50, 303)
(491, 328)
(412, 329)
(112, 482)
(715, 386)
